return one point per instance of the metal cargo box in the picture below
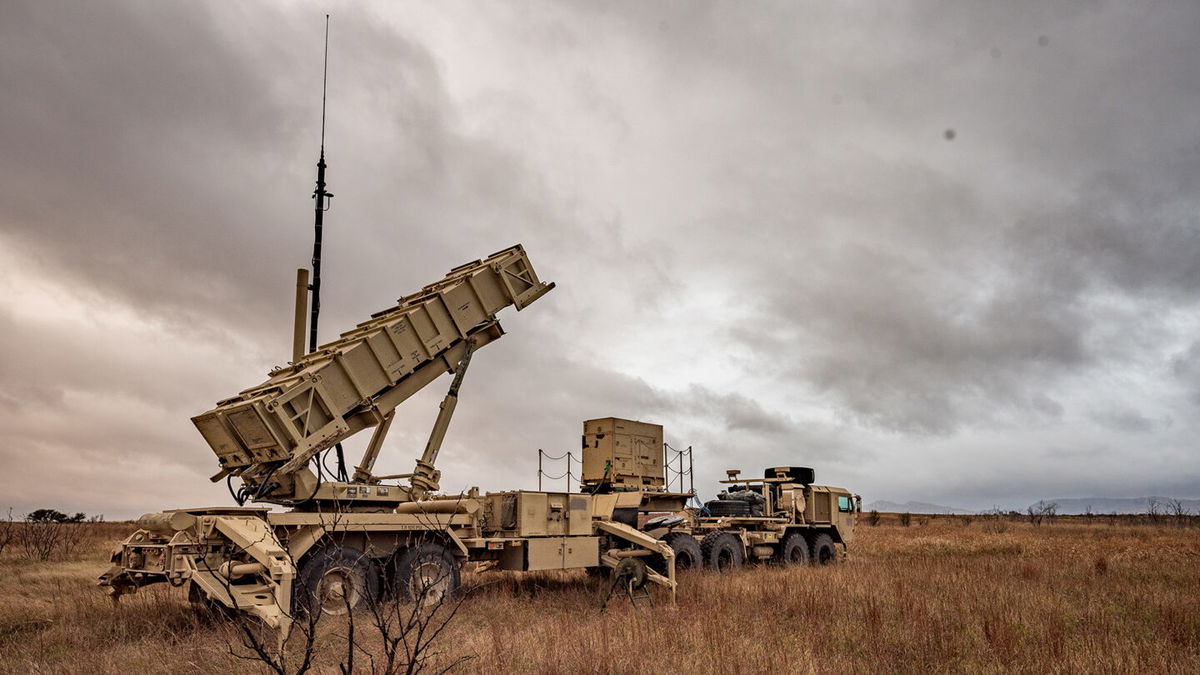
(622, 452)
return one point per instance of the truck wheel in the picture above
(794, 550)
(823, 552)
(687, 553)
(336, 579)
(721, 552)
(426, 572)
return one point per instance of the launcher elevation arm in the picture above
(268, 434)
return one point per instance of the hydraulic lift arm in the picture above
(267, 435)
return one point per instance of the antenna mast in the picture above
(321, 201)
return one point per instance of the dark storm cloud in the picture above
(914, 300)
(96, 97)
(762, 237)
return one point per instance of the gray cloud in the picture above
(762, 237)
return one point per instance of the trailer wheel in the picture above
(336, 579)
(721, 552)
(687, 553)
(823, 552)
(794, 550)
(426, 572)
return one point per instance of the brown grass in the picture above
(942, 597)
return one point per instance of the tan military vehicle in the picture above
(341, 538)
(781, 517)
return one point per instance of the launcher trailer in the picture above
(341, 540)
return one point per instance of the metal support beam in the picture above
(425, 476)
(362, 472)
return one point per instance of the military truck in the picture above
(782, 517)
(342, 537)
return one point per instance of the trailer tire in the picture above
(794, 550)
(721, 552)
(687, 553)
(426, 571)
(336, 579)
(823, 551)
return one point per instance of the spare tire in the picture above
(728, 507)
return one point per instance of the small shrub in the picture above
(1042, 511)
(7, 532)
(873, 518)
(47, 534)
(905, 519)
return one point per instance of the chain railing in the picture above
(677, 469)
(569, 475)
(673, 464)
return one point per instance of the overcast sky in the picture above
(943, 251)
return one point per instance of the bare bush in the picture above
(906, 519)
(1179, 512)
(392, 629)
(47, 539)
(40, 539)
(1042, 511)
(873, 518)
(409, 621)
(8, 532)
(1154, 510)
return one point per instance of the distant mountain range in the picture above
(912, 507)
(1098, 505)
(1108, 505)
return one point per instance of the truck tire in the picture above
(794, 550)
(728, 507)
(721, 552)
(426, 572)
(823, 551)
(687, 553)
(336, 579)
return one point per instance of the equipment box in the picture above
(538, 514)
(623, 452)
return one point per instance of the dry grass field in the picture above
(942, 596)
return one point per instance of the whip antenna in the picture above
(321, 199)
(324, 81)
